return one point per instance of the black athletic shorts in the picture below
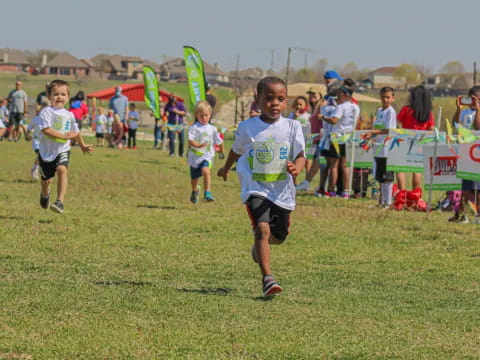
(15, 118)
(99, 135)
(332, 153)
(49, 168)
(381, 173)
(263, 210)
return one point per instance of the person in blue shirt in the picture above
(119, 104)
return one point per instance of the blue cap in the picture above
(332, 74)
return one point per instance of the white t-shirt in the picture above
(60, 120)
(327, 111)
(100, 124)
(109, 124)
(304, 120)
(37, 134)
(347, 114)
(265, 149)
(202, 134)
(2, 125)
(467, 117)
(384, 119)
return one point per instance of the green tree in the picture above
(407, 72)
(453, 67)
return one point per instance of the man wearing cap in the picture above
(332, 80)
(119, 104)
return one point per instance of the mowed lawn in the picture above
(134, 271)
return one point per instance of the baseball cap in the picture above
(314, 90)
(332, 74)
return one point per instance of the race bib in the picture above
(310, 147)
(62, 124)
(270, 161)
(202, 139)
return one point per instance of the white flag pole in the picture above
(432, 168)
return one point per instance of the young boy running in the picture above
(270, 151)
(58, 126)
(202, 138)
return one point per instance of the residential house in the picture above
(13, 61)
(64, 64)
(117, 67)
(385, 76)
(215, 75)
(174, 70)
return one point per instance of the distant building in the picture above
(116, 67)
(64, 64)
(13, 61)
(174, 71)
(385, 76)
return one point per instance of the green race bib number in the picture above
(63, 125)
(270, 161)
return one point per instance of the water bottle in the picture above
(374, 191)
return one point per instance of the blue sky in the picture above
(370, 33)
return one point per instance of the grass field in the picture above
(134, 271)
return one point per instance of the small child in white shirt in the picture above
(100, 126)
(57, 126)
(202, 138)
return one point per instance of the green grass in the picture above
(134, 271)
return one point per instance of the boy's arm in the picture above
(231, 159)
(196, 144)
(476, 120)
(458, 110)
(295, 168)
(55, 134)
(86, 149)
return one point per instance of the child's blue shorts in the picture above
(196, 172)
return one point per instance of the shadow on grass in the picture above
(122, 282)
(156, 162)
(208, 291)
(11, 217)
(263, 298)
(45, 221)
(19, 181)
(148, 206)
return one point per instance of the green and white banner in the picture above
(405, 152)
(469, 161)
(195, 75)
(362, 152)
(444, 167)
(151, 90)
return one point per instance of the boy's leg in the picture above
(181, 136)
(206, 178)
(416, 181)
(171, 142)
(346, 174)
(45, 186)
(134, 138)
(262, 247)
(194, 183)
(333, 173)
(401, 181)
(62, 182)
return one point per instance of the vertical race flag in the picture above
(151, 90)
(195, 75)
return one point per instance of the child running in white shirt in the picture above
(385, 119)
(270, 151)
(57, 126)
(34, 127)
(201, 138)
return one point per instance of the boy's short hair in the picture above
(53, 84)
(387, 89)
(262, 84)
(474, 90)
(133, 104)
(202, 106)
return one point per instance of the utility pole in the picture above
(237, 88)
(288, 65)
(273, 57)
(474, 73)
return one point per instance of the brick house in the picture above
(65, 64)
(13, 61)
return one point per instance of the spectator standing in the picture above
(79, 108)
(175, 111)
(417, 115)
(18, 107)
(119, 104)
